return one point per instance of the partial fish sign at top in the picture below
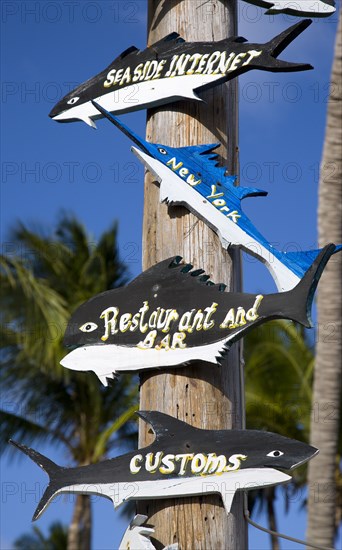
(191, 176)
(181, 461)
(172, 69)
(304, 8)
(171, 315)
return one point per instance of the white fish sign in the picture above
(170, 70)
(137, 536)
(304, 8)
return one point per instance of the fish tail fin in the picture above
(49, 467)
(298, 301)
(275, 46)
(300, 262)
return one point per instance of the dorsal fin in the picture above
(206, 154)
(164, 425)
(243, 192)
(172, 37)
(125, 53)
(176, 271)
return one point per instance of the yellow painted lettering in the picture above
(149, 340)
(237, 61)
(215, 464)
(109, 322)
(191, 180)
(110, 78)
(125, 322)
(252, 55)
(234, 463)
(214, 194)
(230, 318)
(168, 465)
(207, 324)
(137, 72)
(173, 165)
(198, 463)
(164, 344)
(153, 465)
(252, 314)
(195, 59)
(183, 459)
(133, 465)
(172, 316)
(240, 317)
(178, 340)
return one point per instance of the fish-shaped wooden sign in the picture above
(306, 8)
(172, 69)
(137, 536)
(171, 315)
(191, 176)
(182, 461)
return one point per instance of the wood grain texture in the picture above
(208, 399)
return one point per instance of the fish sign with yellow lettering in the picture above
(171, 315)
(182, 461)
(172, 69)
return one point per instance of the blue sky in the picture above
(49, 47)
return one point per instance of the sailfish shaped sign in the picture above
(191, 176)
(306, 8)
(171, 315)
(172, 69)
(182, 461)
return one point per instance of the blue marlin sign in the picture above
(170, 70)
(191, 176)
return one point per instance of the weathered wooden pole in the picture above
(204, 396)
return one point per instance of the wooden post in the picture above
(204, 396)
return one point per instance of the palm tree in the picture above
(279, 369)
(56, 540)
(46, 278)
(324, 492)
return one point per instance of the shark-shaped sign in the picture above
(306, 8)
(172, 69)
(182, 461)
(137, 536)
(191, 176)
(170, 316)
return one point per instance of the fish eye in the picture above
(275, 453)
(162, 151)
(88, 327)
(73, 100)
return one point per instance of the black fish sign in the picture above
(182, 461)
(170, 315)
(172, 69)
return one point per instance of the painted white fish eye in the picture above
(88, 327)
(275, 453)
(162, 151)
(73, 100)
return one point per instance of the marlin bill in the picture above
(170, 70)
(182, 461)
(171, 315)
(191, 176)
(306, 8)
